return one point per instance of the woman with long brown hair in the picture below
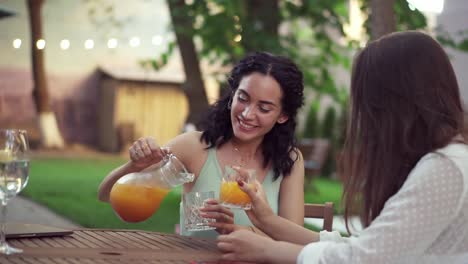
(405, 168)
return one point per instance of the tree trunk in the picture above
(194, 86)
(382, 18)
(40, 95)
(50, 134)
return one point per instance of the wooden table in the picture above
(113, 246)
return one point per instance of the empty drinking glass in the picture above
(192, 203)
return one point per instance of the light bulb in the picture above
(64, 44)
(40, 44)
(112, 43)
(134, 42)
(17, 43)
(89, 44)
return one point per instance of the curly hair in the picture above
(279, 144)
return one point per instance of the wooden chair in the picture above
(324, 211)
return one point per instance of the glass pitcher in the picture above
(136, 196)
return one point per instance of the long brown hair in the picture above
(405, 103)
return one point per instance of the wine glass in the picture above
(14, 172)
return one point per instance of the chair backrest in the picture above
(324, 211)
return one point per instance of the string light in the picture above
(17, 43)
(134, 42)
(64, 44)
(112, 43)
(40, 44)
(89, 44)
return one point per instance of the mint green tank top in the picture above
(210, 180)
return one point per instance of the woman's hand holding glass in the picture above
(224, 216)
(258, 214)
(261, 210)
(230, 195)
(242, 245)
(145, 152)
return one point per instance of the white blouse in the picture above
(426, 221)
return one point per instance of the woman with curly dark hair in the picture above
(252, 127)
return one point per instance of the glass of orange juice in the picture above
(230, 194)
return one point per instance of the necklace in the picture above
(244, 159)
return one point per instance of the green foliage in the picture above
(332, 126)
(228, 30)
(312, 122)
(406, 19)
(329, 121)
(448, 39)
(329, 130)
(310, 44)
(327, 127)
(158, 63)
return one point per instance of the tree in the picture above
(50, 134)
(382, 18)
(386, 16)
(194, 86)
(228, 30)
(265, 16)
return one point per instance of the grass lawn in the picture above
(322, 190)
(69, 187)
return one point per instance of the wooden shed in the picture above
(133, 104)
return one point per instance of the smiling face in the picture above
(256, 107)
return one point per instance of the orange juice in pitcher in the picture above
(136, 196)
(135, 203)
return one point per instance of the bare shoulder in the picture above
(188, 140)
(188, 146)
(296, 155)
